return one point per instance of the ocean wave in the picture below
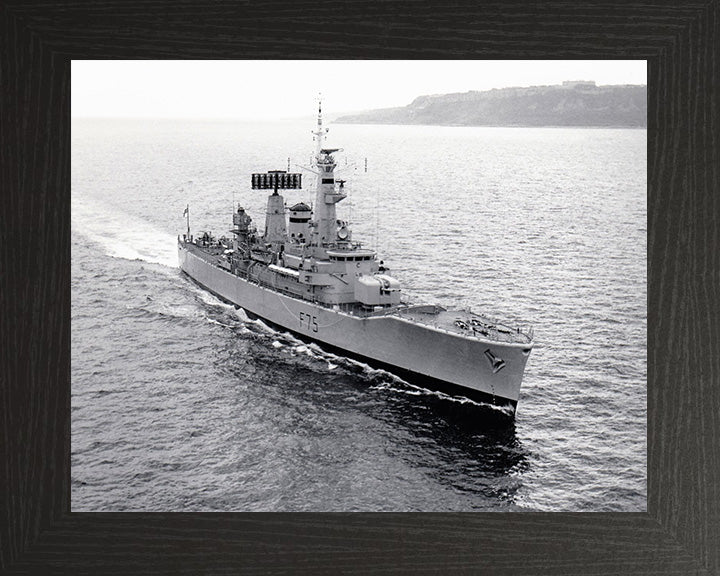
(121, 235)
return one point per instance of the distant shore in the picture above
(571, 104)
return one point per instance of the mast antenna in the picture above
(320, 132)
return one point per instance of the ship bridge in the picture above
(357, 255)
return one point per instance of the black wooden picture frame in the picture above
(679, 534)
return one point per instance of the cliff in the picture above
(570, 104)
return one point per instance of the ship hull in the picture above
(419, 354)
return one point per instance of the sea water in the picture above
(182, 403)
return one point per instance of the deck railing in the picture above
(488, 329)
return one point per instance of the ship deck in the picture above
(454, 321)
(465, 323)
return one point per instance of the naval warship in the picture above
(305, 274)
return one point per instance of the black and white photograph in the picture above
(359, 286)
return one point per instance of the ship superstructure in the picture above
(305, 274)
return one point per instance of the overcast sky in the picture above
(274, 89)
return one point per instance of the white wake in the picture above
(122, 235)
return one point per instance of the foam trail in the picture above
(212, 300)
(413, 390)
(242, 315)
(121, 235)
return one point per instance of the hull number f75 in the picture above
(308, 322)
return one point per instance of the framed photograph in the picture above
(435, 307)
(530, 509)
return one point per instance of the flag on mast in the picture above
(186, 210)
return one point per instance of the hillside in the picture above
(570, 104)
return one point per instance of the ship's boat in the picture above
(305, 274)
